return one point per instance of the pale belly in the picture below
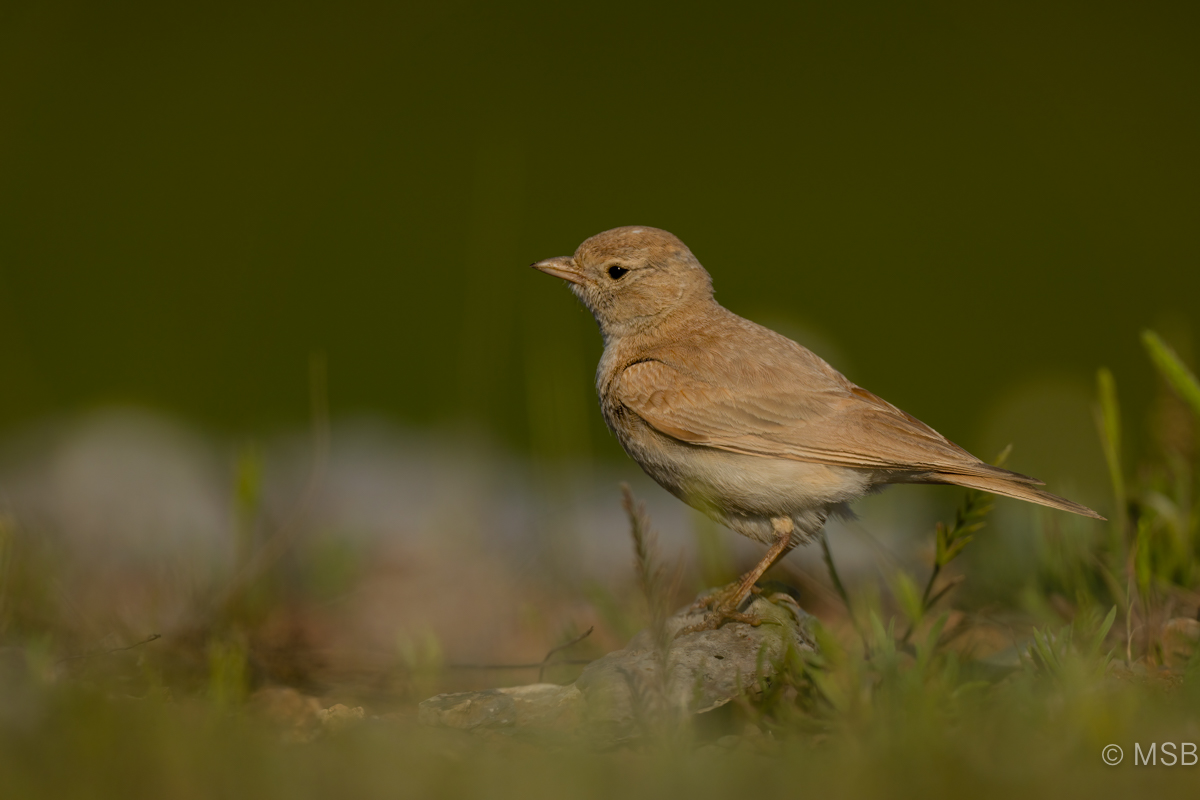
(745, 492)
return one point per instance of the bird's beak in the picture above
(561, 267)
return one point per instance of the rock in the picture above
(490, 709)
(286, 706)
(338, 716)
(546, 706)
(625, 690)
(537, 708)
(1180, 639)
(619, 697)
(299, 714)
(467, 711)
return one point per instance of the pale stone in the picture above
(1180, 639)
(621, 696)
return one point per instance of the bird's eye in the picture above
(616, 273)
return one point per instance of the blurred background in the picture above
(264, 288)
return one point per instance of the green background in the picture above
(951, 199)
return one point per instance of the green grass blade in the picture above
(1175, 371)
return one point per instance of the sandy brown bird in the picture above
(738, 421)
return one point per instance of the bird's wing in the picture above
(836, 423)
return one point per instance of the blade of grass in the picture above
(1173, 369)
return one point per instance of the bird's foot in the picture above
(718, 617)
(723, 596)
(723, 605)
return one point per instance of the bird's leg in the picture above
(725, 603)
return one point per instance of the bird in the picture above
(740, 422)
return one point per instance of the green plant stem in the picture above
(841, 588)
(833, 574)
(926, 603)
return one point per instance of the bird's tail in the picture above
(1011, 488)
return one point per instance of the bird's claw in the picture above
(722, 597)
(718, 617)
(724, 608)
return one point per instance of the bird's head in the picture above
(632, 278)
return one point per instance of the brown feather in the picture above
(1018, 491)
(839, 424)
